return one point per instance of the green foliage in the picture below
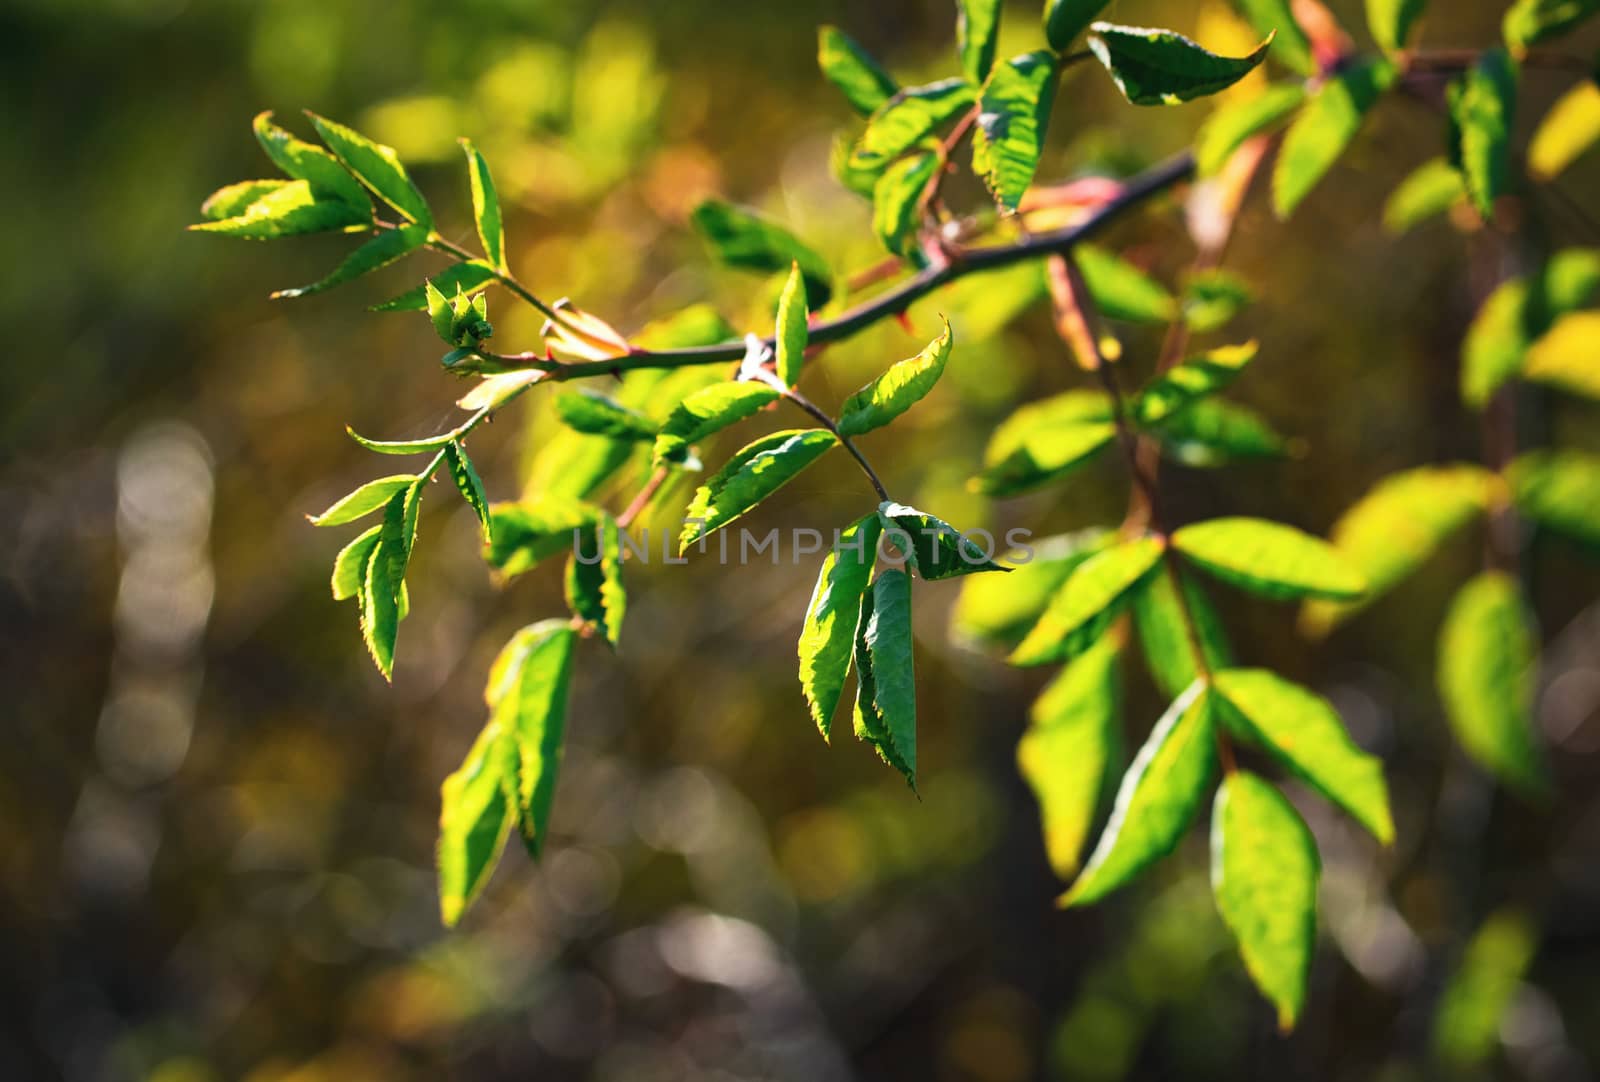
(1530, 22)
(461, 321)
(527, 694)
(933, 548)
(380, 251)
(849, 67)
(791, 330)
(1001, 608)
(977, 28)
(897, 390)
(1160, 67)
(757, 471)
(1269, 559)
(1172, 627)
(706, 412)
(594, 588)
(468, 277)
(1559, 490)
(288, 211)
(1193, 378)
(474, 821)
(742, 238)
(1324, 128)
(1290, 47)
(1214, 432)
(1211, 299)
(1015, 114)
(908, 118)
(1564, 356)
(1571, 127)
(595, 414)
(526, 533)
(1431, 189)
(1482, 107)
(1467, 1026)
(886, 690)
(1088, 601)
(897, 201)
(320, 170)
(485, 207)
(470, 485)
(1122, 291)
(364, 500)
(1235, 122)
(1066, 19)
(827, 639)
(1391, 20)
(376, 166)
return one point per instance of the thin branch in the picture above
(825, 421)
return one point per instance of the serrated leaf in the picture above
(1122, 291)
(1324, 128)
(906, 119)
(595, 414)
(1482, 107)
(400, 532)
(380, 614)
(937, 550)
(1157, 800)
(527, 695)
(232, 200)
(742, 238)
(1488, 674)
(376, 166)
(1013, 118)
(790, 335)
(485, 206)
(1570, 128)
(594, 588)
(1264, 872)
(1193, 378)
(1394, 529)
(1001, 608)
(1467, 1028)
(886, 689)
(475, 819)
(522, 534)
(1212, 298)
(977, 30)
(1531, 21)
(364, 500)
(1559, 490)
(350, 566)
(897, 390)
(1093, 596)
(1391, 20)
(312, 164)
(1213, 432)
(706, 412)
(1162, 67)
(1269, 559)
(470, 485)
(897, 201)
(850, 68)
(1291, 47)
(1065, 755)
(1565, 356)
(1431, 189)
(1235, 122)
(1303, 732)
(403, 447)
(757, 471)
(1164, 623)
(1044, 456)
(378, 252)
(289, 211)
(1066, 19)
(468, 277)
(827, 638)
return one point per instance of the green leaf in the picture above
(742, 238)
(1488, 676)
(1564, 357)
(757, 471)
(1482, 107)
(790, 335)
(1089, 601)
(1157, 800)
(1269, 559)
(474, 821)
(977, 28)
(1163, 622)
(1571, 127)
(903, 121)
(468, 277)
(1161, 67)
(1214, 432)
(1044, 456)
(850, 68)
(1560, 490)
(1211, 298)
(1391, 20)
(1066, 753)
(312, 164)
(886, 688)
(1193, 378)
(376, 166)
(403, 447)
(897, 390)
(364, 500)
(290, 211)
(828, 636)
(350, 566)
(594, 588)
(232, 200)
(706, 412)
(1519, 312)
(380, 613)
(1324, 128)
(470, 485)
(485, 206)
(1431, 189)
(1122, 291)
(1015, 114)
(595, 414)
(1291, 47)
(380, 251)
(1001, 608)
(897, 202)
(400, 532)
(1235, 122)
(1264, 871)
(1303, 732)
(1531, 21)
(523, 534)
(527, 696)
(1394, 529)
(1066, 19)
(1467, 1028)
(937, 550)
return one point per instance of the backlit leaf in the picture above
(848, 67)
(977, 28)
(1467, 1028)
(1269, 559)
(1571, 127)
(470, 485)
(1391, 20)
(289, 211)
(475, 819)
(757, 471)
(1482, 107)
(232, 200)
(1164, 623)
(594, 588)
(485, 206)
(1431, 189)
(1235, 122)
(1001, 608)
(1568, 355)
(350, 566)
(897, 201)
(1013, 118)
(380, 614)
(1559, 490)
(376, 166)
(1291, 47)
(1211, 299)
(1161, 67)
(1531, 21)
(595, 414)
(906, 119)
(1066, 19)
(1213, 432)
(468, 277)
(1122, 291)
(527, 695)
(1195, 377)
(897, 390)
(310, 163)
(1043, 456)
(791, 329)
(706, 412)
(380, 251)
(744, 239)
(937, 549)
(364, 500)
(1088, 601)
(1488, 661)
(886, 690)
(535, 529)
(827, 638)
(1324, 128)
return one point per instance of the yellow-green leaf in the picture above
(1429, 190)
(1467, 1028)
(1001, 608)
(897, 390)
(485, 206)
(527, 696)
(1235, 122)
(1391, 20)
(364, 500)
(935, 549)
(350, 566)
(1088, 601)
(744, 239)
(595, 414)
(1571, 127)
(1066, 19)
(1170, 627)
(1195, 377)
(523, 534)
(791, 328)
(757, 471)
(1568, 355)
(470, 485)
(827, 637)
(1531, 21)
(1269, 559)
(705, 412)
(289, 211)
(1482, 107)
(1213, 432)
(376, 166)
(907, 118)
(1324, 128)
(1015, 114)
(475, 819)
(897, 208)
(849, 67)
(312, 164)
(380, 251)
(1122, 291)
(1560, 490)
(1291, 47)
(886, 690)
(977, 28)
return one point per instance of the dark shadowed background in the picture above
(217, 821)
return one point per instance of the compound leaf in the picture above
(1088, 601)
(828, 635)
(376, 166)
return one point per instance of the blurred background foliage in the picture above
(216, 821)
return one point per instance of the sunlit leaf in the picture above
(535, 529)
(1088, 601)
(1264, 871)
(1212, 298)
(849, 67)
(757, 471)
(744, 239)
(1466, 1029)
(937, 550)
(886, 689)
(791, 329)
(1482, 106)
(485, 206)
(527, 696)
(706, 412)
(1391, 20)
(1161, 67)
(1235, 122)
(232, 200)
(1571, 127)
(594, 588)
(470, 485)
(1171, 627)
(350, 566)
(1214, 432)
(364, 500)
(1269, 559)
(1194, 377)
(304, 161)
(376, 166)
(1531, 21)
(977, 28)
(468, 277)
(1324, 128)
(1014, 116)
(595, 414)
(1067, 751)
(1043, 456)
(1001, 608)
(1066, 19)
(1303, 732)
(827, 638)
(1157, 800)
(475, 818)
(1559, 490)
(906, 119)
(1567, 356)
(380, 251)
(1122, 291)
(289, 211)
(1291, 47)
(897, 390)
(1431, 189)
(897, 201)
(380, 614)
